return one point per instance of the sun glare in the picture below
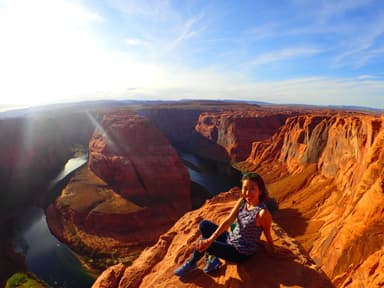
(52, 57)
(55, 51)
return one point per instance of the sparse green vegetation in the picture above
(22, 280)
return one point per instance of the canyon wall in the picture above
(235, 131)
(325, 168)
(342, 199)
(34, 149)
(134, 188)
(131, 154)
(178, 125)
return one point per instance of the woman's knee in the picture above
(204, 224)
(207, 228)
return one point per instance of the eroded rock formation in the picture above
(134, 189)
(130, 153)
(325, 169)
(155, 266)
(236, 130)
(33, 149)
(178, 124)
(334, 187)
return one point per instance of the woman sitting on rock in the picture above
(238, 236)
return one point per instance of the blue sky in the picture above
(295, 51)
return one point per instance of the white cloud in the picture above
(147, 8)
(136, 42)
(330, 8)
(188, 29)
(364, 77)
(362, 47)
(284, 54)
(180, 83)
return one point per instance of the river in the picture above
(45, 256)
(54, 262)
(207, 175)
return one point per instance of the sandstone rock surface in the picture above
(236, 130)
(131, 154)
(134, 188)
(330, 189)
(155, 266)
(325, 169)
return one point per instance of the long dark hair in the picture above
(260, 183)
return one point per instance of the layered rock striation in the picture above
(134, 188)
(325, 168)
(235, 131)
(130, 153)
(334, 186)
(178, 124)
(155, 266)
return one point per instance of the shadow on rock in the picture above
(262, 270)
(292, 221)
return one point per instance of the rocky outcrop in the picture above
(178, 124)
(134, 188)
(334, 187)
(237, 130)
(155, 266)
(299, 142)
(325, 169)
(133, 156)
(365, 274)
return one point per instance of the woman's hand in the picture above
(202, 245)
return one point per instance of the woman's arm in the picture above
(266, 223)
(203, 244)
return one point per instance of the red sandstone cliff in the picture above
(33, 149)
(236, 130)
(178, 123)
(136, 187)
(333, 196)
(130, 153)
(155, 266)
(326, 171)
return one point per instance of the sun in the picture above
(44, 57)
